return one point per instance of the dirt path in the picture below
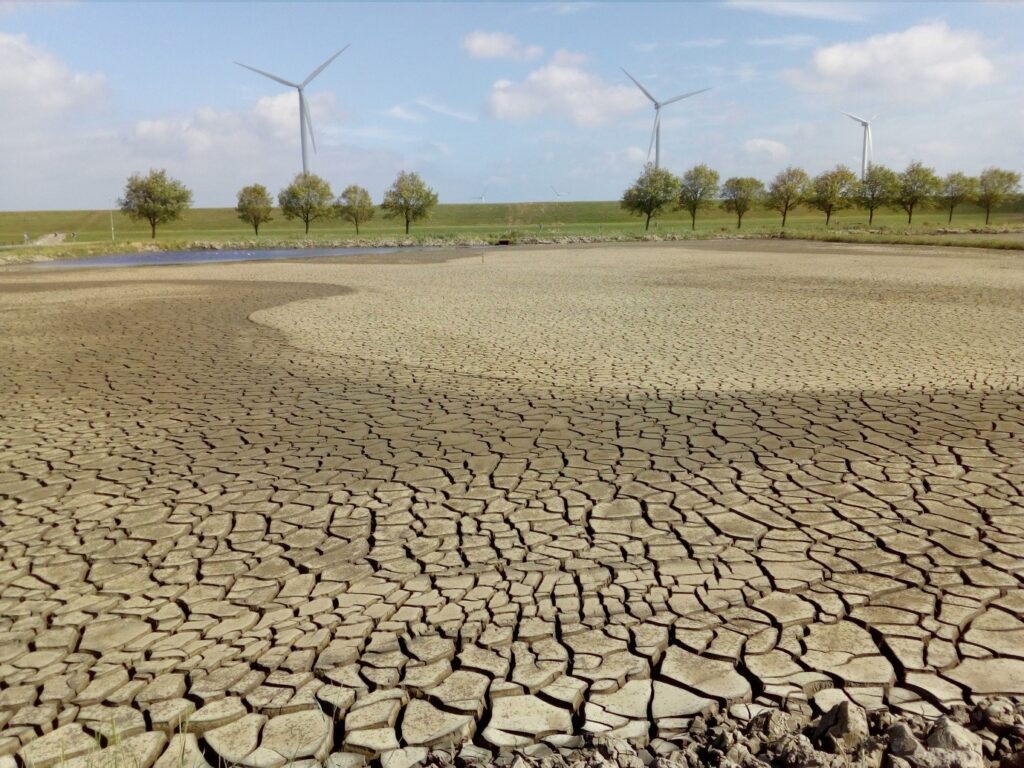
(52, 238)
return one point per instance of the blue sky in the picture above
(509, 101)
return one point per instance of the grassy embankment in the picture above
(489, 222)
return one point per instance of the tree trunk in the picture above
(647, 224)
(950, 215)
(987, 212)
(307, 226)
(828, 217)
(739, 220)
(910, 214)
(871, 216)
(693, 219)
(256, 226)
(784, 212)
(357, 227)
(152, 229)
(407, 225)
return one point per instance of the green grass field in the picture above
(487, 222)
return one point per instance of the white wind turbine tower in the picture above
(867, 153)
(305, 120)
(656, 133)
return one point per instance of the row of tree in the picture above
(658, 190)
(158, 199)
(309, 198)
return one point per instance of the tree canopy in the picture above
(697, 188)
(918, 184)
(740, 194)
(653, 191)
(354, 205)
(957, 188)
(994, 186)
(307, 198)
(409, 199)
(788, 190)
(877, 189)
(155, 198)
(254, 205)
(834, 190)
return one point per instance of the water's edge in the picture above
(155, 258)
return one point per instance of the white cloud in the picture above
(445, 111)
(279, 114)
(702, 42)
(788, 42)
(65, 145)
(566, 58)
(563, 88)
(35, 84)
(8, 7)
(766, 148)
(216, 151)
(563, 9)
(828, 11)
(927, 60)
(401, 113)
(204, 132)
(375, 135)
(635, 154)
(498, 45)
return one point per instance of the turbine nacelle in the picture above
(305, 118)
(867, 153)
(656, 130)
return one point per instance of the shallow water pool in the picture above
(150, 258)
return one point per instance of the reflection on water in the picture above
(198, 257)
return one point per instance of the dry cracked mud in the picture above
(340, 512)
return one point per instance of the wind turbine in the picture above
(305, 120)
(656, 132)
(867, 154)
(482, 197)
(557, 193)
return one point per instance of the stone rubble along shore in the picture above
(988, 735)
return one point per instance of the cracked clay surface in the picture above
(258, 514)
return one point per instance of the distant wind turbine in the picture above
(305, 120)
(867, 153)
(656, 132)
(482, 197)
(557, 193)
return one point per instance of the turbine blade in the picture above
(860, 120)
(684, 96)
(323, 66)
(267, 74)
(646, 92)
(654, 133)
(309, 119)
